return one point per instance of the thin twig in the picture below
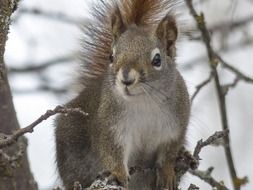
(186, 161)
(206, 176)
(41, 88)
(62, 17)
(224, 27)
(202, 58)
(8, 140)
(201, 85)
(211, 140)
(234, 70)
(226, 87)
(231, 26)
(36, 67)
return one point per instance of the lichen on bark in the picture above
(19, 177)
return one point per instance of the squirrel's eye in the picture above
(111, 58)
(156, 62)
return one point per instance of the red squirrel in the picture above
(137, 100)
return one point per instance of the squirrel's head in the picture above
(142, 57)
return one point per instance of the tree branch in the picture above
(228, 26)
(21, 177)
(38, 67)
(225, 26)
(202, 58)
(211, 140)
(8, 140)
(206, 176)
(186, 161)
(201, 85)
(225, 88)
(200, 21)
(42, 88)
(61, 17)
(238, 73)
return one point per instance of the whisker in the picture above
(161, 96)
(155, 99)
(154, 96)
(158, 91)
(146, 92)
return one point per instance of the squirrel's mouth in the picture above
(128, 92)
(131, 93)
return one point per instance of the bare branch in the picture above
(8, 140)
(212, 56)
(212, 139)
(203, 58)
(187, 162)
(239, 74)
(36, 67)
(226, 87)
(61, 17)
(224, 27)
(228, 26)
(42, 88)
(201, 85)
(206, 176)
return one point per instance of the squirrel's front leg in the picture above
(165, 177)
(116, 176)
(165, 173)
(115, 172)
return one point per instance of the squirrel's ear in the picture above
(117, 24)
(167, 32)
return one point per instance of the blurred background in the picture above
(40, 55)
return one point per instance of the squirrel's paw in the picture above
(184, 157)
(110, 178)
(165, 179)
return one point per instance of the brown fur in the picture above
(98, 35)
(138, 107)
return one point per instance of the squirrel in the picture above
(137, 101)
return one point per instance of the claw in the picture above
(109, 178)
(103, 175)
(165, 182)
(113, 180)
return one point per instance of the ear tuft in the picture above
(117, 24)
(167, 32)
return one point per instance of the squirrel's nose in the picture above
(127, 82)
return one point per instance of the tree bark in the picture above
(20, 176)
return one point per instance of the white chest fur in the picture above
(144, 126)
